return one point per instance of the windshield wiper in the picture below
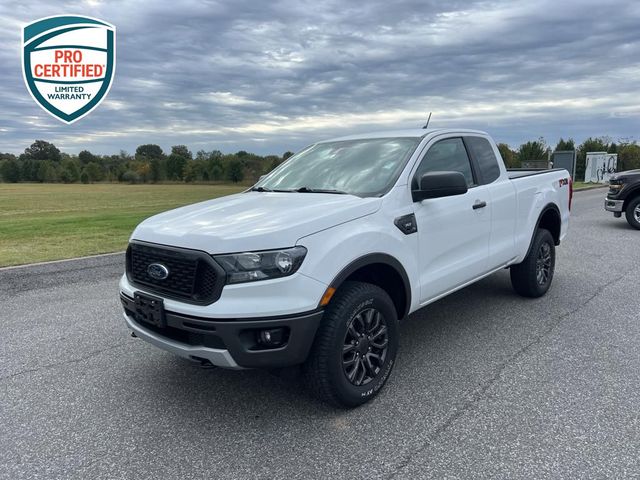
(299, 190)
(318, 190)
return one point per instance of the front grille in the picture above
(194, 277)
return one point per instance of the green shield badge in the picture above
(68, 64)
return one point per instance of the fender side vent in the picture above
(406, 224)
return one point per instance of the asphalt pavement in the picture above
(487, 384)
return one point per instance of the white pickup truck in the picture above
(319, 261)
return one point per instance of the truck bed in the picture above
(514, 173)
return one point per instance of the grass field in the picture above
(579, 185)
(41, 222)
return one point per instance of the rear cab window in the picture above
(482, 152)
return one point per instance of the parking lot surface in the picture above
(487, 384)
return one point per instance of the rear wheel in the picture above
(355, 347)
(532, 277)
(632, 213)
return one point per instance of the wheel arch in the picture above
(384, 271)
(548, 219)
(630, 196)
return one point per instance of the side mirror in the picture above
(440, 184)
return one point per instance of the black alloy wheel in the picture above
(355, 347)
(532, 278)
(543, 264)
(365, 346)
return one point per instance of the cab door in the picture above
(453, 231)
(502, 193)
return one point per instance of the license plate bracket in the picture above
(149, 309)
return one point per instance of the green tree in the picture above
(509, 156)
(46, 172)
(531, 151)
(85, 156)
(177, 162)
(195, 171)
(41, 150)
(182, 151)
(70, 171)
(157, 172)
(628, 157)
(235, 172)
(28, 168)
(565, 145)
(175, 166)
(215, 167)
(7, 156)
(84, 177)
(202, 155)
(286, 155)
(143, 169)
(114, 166)
(131, 176)
(10, 170)
(94, 171)
(149, 162)
(149, 151)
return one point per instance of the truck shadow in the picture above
(433, 342)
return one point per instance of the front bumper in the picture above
(227, 343)
(272, 298)
(613, 205)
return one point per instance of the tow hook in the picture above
(133, 334)
(204, 363)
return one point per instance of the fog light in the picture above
(274, 337)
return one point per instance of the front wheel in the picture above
(532, 277)
(355, 347)
(633, 213)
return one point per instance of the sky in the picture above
(268, 77)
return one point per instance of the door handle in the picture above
(479, 204)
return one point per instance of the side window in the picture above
(447, 155)
(483, 154)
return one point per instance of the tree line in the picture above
(44, 162)
(628, 152)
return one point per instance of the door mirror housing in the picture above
(440, 184)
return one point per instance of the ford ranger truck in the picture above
(624, 196)
(318, 263)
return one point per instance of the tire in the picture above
(533, 277)
(356, 308)
(632, 213)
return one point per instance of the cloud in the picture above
(274, 76)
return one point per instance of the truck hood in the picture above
(252, 220)
(626, 174)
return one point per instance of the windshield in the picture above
(366, 167)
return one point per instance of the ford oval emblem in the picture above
(158, 271)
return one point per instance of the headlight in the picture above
(615, 188)
(252, 266)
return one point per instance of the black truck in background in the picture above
(624, 196)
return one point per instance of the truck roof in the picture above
(412, 133)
